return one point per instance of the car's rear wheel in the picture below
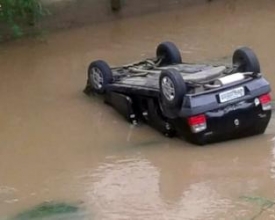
(168, 53)
(99, 76)
(245, 60)
(172, 88)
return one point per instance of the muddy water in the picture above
(59, 145)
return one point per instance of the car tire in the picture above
(99, 76)
(246, 60)
(169, 53)
(172, 88)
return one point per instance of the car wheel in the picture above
(172, 88)
(99, 76)
(246, 60)
(168, 53)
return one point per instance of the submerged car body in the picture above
(203, 103)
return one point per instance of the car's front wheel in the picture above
(99, 76)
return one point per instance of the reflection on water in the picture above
(148, 184)
(131, 189)
(59, 145)
(272, 169)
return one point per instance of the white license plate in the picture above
(231, 94)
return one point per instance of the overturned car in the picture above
(203, 103)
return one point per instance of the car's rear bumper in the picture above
(233, 121)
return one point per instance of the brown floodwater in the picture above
(56, 144)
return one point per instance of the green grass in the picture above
(18, 15)
(263, 203)
(47, 211)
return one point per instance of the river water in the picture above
(58, 145)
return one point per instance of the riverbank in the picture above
(73, 13)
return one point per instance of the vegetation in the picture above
(263, 203)
(48, 210)
(18, 15)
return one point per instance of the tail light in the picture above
(197, 123)
(265, 101)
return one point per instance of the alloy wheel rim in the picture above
(168, 88)
(97, 78)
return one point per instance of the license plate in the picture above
(231, 94)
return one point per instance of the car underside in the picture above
(203, 103)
